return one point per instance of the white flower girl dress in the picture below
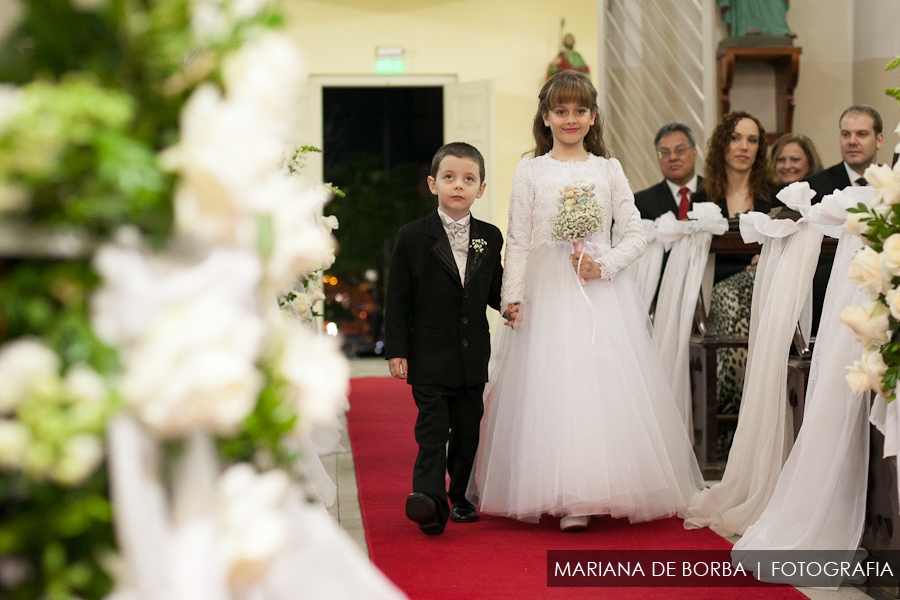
(579, 418)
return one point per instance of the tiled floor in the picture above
(346, 511)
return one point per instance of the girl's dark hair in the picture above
(568, 86)
(716, 180)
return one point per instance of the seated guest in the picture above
(738, 179)
(794, 158)
(677, 154)
(861, 137)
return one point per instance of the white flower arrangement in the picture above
(478, 245)
(579, 214)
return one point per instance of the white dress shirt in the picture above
(853, 175)
(458, 233)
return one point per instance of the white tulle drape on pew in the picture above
(764, 431)
(688, 244)
(820, 499)
(645, 270)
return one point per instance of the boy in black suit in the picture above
(444, 272)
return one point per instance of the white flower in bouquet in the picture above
(865, 270)
(330, 223)
(854, 224)
(870, 322)
(15, 438)
(10, 104)
(886, 182)
(24, 363)
(266, 73)
(248, 9)
(317, 373)
(137, 287)
(253, 526)
(12, 198)
(889, 258)
(866, 374)
(81, 456)
(892, 299)
(195, 368)
(208, 18)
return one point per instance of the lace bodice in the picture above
(533, 204)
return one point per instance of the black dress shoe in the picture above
(422, 509)
(463, 512)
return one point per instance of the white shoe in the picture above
(570, 524)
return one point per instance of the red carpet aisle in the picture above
(494, 558)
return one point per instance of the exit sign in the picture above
(389, 61)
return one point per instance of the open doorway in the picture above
(377, 147)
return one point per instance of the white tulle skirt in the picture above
(579, 419)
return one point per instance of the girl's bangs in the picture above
(570, 91)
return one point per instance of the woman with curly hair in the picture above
(738, 178)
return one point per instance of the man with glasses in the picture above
(677, 154)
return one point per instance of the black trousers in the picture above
(446, 414)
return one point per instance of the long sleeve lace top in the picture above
(533, 204)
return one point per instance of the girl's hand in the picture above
(589, 268)
(512, 310)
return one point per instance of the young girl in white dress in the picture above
(579, 418)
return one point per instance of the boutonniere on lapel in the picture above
(478, 245)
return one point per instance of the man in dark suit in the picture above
(677, 155)
(861, 137)
(444, 272)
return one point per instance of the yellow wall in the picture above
(507, 41)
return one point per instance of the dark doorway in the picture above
(378, 144)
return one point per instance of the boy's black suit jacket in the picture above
(434, 321)
(657, 200)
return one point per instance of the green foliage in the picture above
(893, 64)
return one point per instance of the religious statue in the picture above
(754, 17)
(567, 59)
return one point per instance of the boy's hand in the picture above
(399, 368)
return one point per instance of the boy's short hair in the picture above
(459, 150)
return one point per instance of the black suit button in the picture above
(465, 344)
(465, 320)
(465, 294)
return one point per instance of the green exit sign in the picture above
(390, 60)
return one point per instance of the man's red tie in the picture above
(685, 205)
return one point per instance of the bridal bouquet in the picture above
(579, 214)
(876, 268)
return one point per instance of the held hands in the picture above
(512, 310)
(399, 368)
(589, 268)
(754, 262)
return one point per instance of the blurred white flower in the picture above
(14, 441)
(886, 183)
(248, 9)
(865, 270)
(12, 198)
(81, 456)
(854, 223)
(253, 527)
(870, 322)
(83, 383)
(302, 303)
(266, 73)
(317, 372)
(137, 287)
(195, 368)
(330, 223)
(24, 363)
(208, 19)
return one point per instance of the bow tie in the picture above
(458, 230)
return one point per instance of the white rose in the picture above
(24, 363)
(302, 303)
(858, 377)
(196, 368)
(253, 527)
(890, 257)
(886, 184)
(208, 20)
(870, 322)
(876, 368)
(330, 222)
(854, 223)
(14, 441)
(317, 372)
(81, 456)
(892, 298)
(865, 270)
